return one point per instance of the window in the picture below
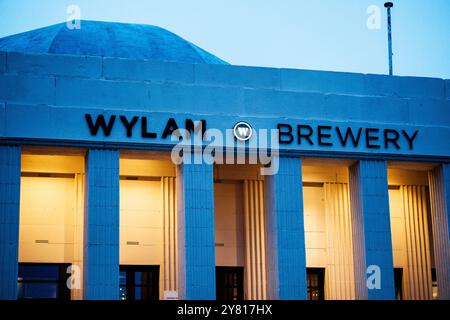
(139, 282)
(229, 283)
(43, 281)
(315, 281)
(434, 284)
(398, 280)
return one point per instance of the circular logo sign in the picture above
(242, 131)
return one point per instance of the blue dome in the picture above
(109, 39)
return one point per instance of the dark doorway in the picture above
(139, 282)
(316, 283)
(398, 280)
(434, 284)
(229, 283)
(43, 281)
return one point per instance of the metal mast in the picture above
(388, 6)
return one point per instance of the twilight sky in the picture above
(304, 34)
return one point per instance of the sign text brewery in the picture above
(301, 134)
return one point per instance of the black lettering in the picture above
(129, 125)
(322, 135)
(100, 122)
(144, 129)
(349, 134)
(171, 126)
(410, 138)
(287, 133)
(191, 127)
(392, 140)
(307, 135)
(370, 138)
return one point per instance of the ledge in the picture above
(294, 80)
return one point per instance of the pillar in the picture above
(101, 225)
(286, 254)
(371, 230)
(196, 251)
(255, 240)
(439, 182)
(9, 220)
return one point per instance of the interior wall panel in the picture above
(168, 186)
(141, 223)
(315, 226)
(440, 212)
(47, 219)
(255, 241)
(229, 224)
(77, 289)
(417, 274)
(339, 279)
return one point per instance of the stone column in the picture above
(9, 220)
(372, 243)
(286, 254)
(439, 181)
(196, 251)
(101, 225)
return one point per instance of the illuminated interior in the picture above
(328, 236)
(411, 230)
(148, 234)
(240, 231)
(51, 209)
(51, 212)
(240, 225)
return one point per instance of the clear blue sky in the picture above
(305, 34)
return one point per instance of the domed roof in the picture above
(109, 39)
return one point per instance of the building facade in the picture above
(92, 205)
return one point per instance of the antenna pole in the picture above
(388, 6)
